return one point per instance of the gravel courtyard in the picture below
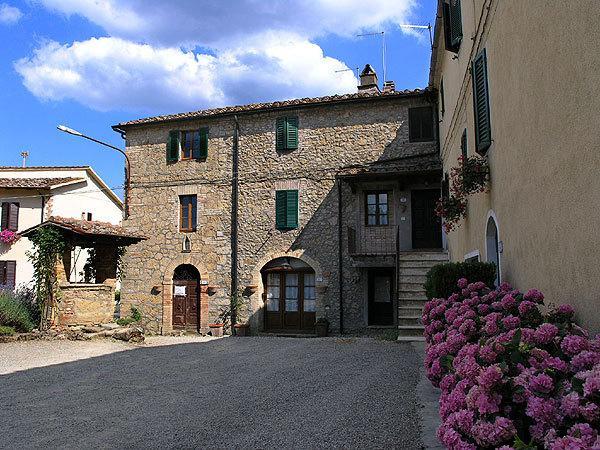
(222, 393)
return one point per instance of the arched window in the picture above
(492, 245)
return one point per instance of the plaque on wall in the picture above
(179, 290)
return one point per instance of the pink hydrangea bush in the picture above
(510, 376)
(8, 237)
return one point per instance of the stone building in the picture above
(308, 208)
(520, 94)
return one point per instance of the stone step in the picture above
(409, 320)
(410, 310)
(412, 278)
(423, 256)
(411, 295)
(411, 287)
(413, 271)
(411, 338)
(418, 264)
(410, 330)
(413, 303)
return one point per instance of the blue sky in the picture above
(90, 64)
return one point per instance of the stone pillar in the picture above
(106, 263)
(204, 308)
(167, 309)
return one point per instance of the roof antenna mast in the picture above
(382, 34)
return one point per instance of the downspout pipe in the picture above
(234, 221)
(340, 257)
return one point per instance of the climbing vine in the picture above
(48, 247)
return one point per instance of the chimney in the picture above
(368, 81)
(389, 86)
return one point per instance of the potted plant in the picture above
(9, 237)
(322, 327)
(241, 329)
(216, 329)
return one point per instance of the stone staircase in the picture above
(413, 267)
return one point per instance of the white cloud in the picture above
(216, 23)
(9, 14)
(112, 73)
(251, 51)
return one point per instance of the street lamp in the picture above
(128, 164)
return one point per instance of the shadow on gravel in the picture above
(236, 392)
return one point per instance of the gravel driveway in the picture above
(257, 392)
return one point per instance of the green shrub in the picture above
(124, 321)
(13, 313)
(136, 315)
(6, 331)
(442, 278)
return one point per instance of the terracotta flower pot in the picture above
(242, 329)
(322, 329)
(216, 329)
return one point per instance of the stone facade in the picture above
(332, 137)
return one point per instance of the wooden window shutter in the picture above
(291, 133)
(481, 103)
(456, 33)
(13, 216)
(5, 212)
(292, 209)
(11, 270)
(280, 136)
(280, 210)
(203, 148)
(194, 212)
(173, 145)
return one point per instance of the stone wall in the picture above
(86, 304)
(330, 138)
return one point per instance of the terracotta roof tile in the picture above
(88, 228)
(256, 107)
(36, 183)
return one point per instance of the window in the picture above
(310, 299)
(377, 208)
(8, 269)
(286, 133)
(10, 216)
(286, 209)
(481, 103)
(453, 33)
(188, 213)
(420, 124)
(189, 144)
(463, 144)
(442, 100)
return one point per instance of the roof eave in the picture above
(121, 127)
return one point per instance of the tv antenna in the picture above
(348, 70)
(421, 27)
(382, 34)
(25, 155)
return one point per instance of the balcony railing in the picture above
(372, 241)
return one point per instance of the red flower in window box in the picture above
(9, 237)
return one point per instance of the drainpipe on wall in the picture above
(234, 222)
(340, 257)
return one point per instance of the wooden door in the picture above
(426, 226)
(381, 296)
(186, 313)
(290, 301)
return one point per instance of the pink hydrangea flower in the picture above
(572, 344)
(545, 333)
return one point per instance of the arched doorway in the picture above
(289, 295)
(186, 290)
(492, 246)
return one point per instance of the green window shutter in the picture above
(291, 133)
(280, 136)
(292, 209)
(481, 103)
(173, 146)
(456, 33)
(463, 144)
(281, 210)
(201, 144)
